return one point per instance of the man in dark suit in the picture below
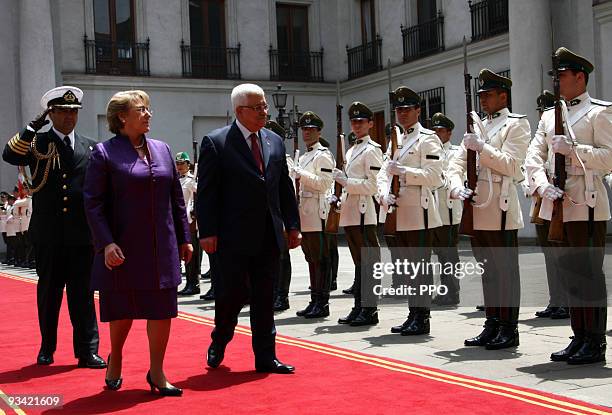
(244, 198)
(58, 159)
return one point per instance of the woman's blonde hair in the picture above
(121, 102)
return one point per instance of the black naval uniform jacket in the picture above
(58, 213)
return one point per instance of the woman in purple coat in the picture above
(135, 209)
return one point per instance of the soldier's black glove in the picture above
(40, 121)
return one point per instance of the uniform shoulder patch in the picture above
(513, 115)
(374, 143)
(601, 102)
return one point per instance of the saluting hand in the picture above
(113, 256)
(40, 121)
(185, 252)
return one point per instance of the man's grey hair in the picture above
(242, 91)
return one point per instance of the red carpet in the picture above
(328, 379)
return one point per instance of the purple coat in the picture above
(139, 207)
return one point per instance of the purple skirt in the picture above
(138, 304)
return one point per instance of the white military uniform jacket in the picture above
(190, 187)
(421, 152)
(363, 162)
(3, 216)
(450, 209)
(591, 123)
(499, 163)
(12, 221)
(315, 181)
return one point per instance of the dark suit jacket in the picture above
(140, 207)
(234, 199)
(58, 214)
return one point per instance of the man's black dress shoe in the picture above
(275, 366)
(163, 391)
(205, 276)
(398, 329)
(92, 361)
(215, 355)
(44, 359)
(480, 308)
(560, 314)
(351, 316)
(593, 350)
(319, 310)
(281, 303)
(190, 289)
(209, 296)
(420, 325)
(309, 307)
(491, 328)
(367, 317)
(508, 336)
(349, 290)
(573, 347)
(547, 312)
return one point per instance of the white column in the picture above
(36, 57)
(530, 50)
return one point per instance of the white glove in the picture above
(331, 199)
(296, 172)
(550, 192)
(608, 179)
(525, 187)
(473, 142)
(562, 145)
(394, 168)
(339, 176)
(462, 193)
(389, 200)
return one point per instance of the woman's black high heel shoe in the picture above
(171, 391)
(112, 384)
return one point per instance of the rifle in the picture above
(333, 217)
(467, 219)
(537, 205)
(390, 227)
(296, 148)
(194, 226)
(555, 232)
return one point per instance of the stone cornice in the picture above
(603, 12)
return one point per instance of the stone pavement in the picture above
(528, 365)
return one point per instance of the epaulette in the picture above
(426, 131)
(601, 102)
(549, 108)
(374, 143)
(513, 115)
(454, 147)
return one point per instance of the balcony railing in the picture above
(210, 62)
(303, 66)
(424, 39)
(489, 18)
(104, 57)
(432, 101)
(365, 59)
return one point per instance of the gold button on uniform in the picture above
(65, 198)
(64, 176)
(65, 209)
(64, 187)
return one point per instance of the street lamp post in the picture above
(279, 97)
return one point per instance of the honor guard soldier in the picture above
(587, 147)
(283, 282)
(358, 213)
(384, 184)
(3, 220)
(189, 185)
(418, 164)
(314, 171)
(446, 237)
(557, 303)
(501, 143)
(58, 159)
